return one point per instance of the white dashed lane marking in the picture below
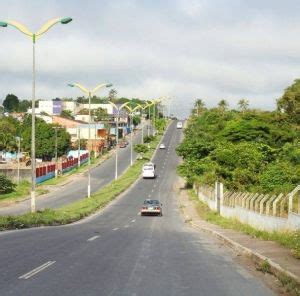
(36, 270)
(133, 220)
(126, 226)
(93, 238)
(115, 229)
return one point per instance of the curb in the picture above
(257, 258)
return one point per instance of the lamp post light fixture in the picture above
(34, 37)
(131, 113)
(89, 93)
(118, 109)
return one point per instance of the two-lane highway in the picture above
(118, 252)
(77, 187)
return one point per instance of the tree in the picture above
(83, 111)
(11, 103)
(243, 105)
(6, 185)
(24, 105)
(67, 114)
(83, 144)
(136, 120)
(45, 138)
(112, 94)
(289, 103)
(223, 106)
(140, 148)
(199, 106)
(8, 132)
(100, 114)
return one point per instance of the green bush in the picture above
(6, 185)
(140, 148)
(148, 139)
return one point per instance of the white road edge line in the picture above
(36, 270)
(115, 229)
(93, 238)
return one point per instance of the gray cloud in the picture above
(185, 49)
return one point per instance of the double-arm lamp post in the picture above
(34, 37)
(89, 93)
(131, 113)
(118, 109)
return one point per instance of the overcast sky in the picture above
(185, 49)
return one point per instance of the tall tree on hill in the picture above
(289, 103)
(11, 103)
(112, 95)
(199, 106)
(223, 106)
(243, 105)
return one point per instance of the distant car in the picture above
(162, 146)
(179, 124)
(122, 145)
(149, 170)
(151, 207)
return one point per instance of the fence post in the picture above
(218, 196)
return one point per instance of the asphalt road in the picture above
(77, 187)
(118, 252)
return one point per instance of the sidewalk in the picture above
(280, 260)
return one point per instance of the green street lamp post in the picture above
(34, 37)
(89, 93)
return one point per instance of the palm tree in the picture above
(223, 106)
(199, 106)
(243, 105)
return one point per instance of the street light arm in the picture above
(123, 105)
(81, 87)
(101, 86)
(18, 26)
(50, 24)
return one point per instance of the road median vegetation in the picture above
(84, 207)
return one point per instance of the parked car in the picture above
(151, 207)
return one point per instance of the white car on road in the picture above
(179, 124)
(162, 146)
(149, 170)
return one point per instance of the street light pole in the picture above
(89, 141)
(18, 157)
(33, 37)
(78, 147)
(118, 109)
(89, 93)
(131, 112)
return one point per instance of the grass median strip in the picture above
(84, 207)
(290, 240)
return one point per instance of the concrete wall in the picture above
(261, 211)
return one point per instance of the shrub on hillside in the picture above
(6, 185)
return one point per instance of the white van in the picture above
(179, 124)
(149, 170)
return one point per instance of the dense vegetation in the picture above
(247, 150)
